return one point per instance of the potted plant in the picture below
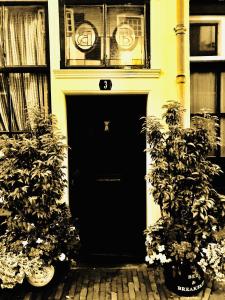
(213, 259)
(32, 183)
(15, 266)
(180, 176)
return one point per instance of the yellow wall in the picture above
(159, 83)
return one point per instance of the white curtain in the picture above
(27, 91)
(4, 121)
(222, 134)
(203, 93)
(24, 36)
(222, 98)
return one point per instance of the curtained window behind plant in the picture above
(24, 65)
(208, 95)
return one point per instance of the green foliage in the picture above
(32, 181)
(14, 267)
(181, 183)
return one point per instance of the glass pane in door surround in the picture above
(125, 35)
(84, 35)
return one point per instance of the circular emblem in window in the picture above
(125, 37)
(85, 36)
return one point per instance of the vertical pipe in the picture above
(180, 30)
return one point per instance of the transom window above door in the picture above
(105, 35)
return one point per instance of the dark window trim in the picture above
(207, 53)
(63, 3)
(207, 7)
(108, 2)
(207, 66)
(25, 69)
(23, 3)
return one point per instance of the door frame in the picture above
(124, 82)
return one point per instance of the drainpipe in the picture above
(180, 30)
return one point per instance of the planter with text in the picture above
(43, 277)
(184, 279)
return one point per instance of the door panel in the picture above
(106, 173)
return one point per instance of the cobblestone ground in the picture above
(128, 282)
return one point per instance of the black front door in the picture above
(107, 166)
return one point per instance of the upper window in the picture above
(105, 36)
(203, 39)
(22, 36)
(24, 64)
(207, 38)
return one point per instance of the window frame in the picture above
(219, 21)
(217, 68)
(64, 3)
(205, 52)
(39, 69)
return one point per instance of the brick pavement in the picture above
(127, 282)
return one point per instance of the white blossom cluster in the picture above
(153, 257)
(213, 260)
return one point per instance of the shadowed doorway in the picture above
(107, 165)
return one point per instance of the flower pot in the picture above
(185, 279)
(41, 277)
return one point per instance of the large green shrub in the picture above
(32, 183)
(180, 176)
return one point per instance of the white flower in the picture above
(161, 248)
(214, 227)
(162, 258)
(147, 258)
(204, 250)
(62, 256)
(150, 259)
(24, 243)
(38, 241)
(1, 154)
(149, 239)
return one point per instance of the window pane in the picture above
(84, 35)
(26, 91)
(203, 93)
(4, 118)
(222, 99)
(203, 39)
(23, 36)
(125, 35)
(1, 38)
(222, 135)
(211, 128)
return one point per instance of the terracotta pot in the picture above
(185, 279)
(42, 277)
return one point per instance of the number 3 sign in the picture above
(105, 84)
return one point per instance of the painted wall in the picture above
(159, 83)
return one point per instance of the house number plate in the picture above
(105, 84)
